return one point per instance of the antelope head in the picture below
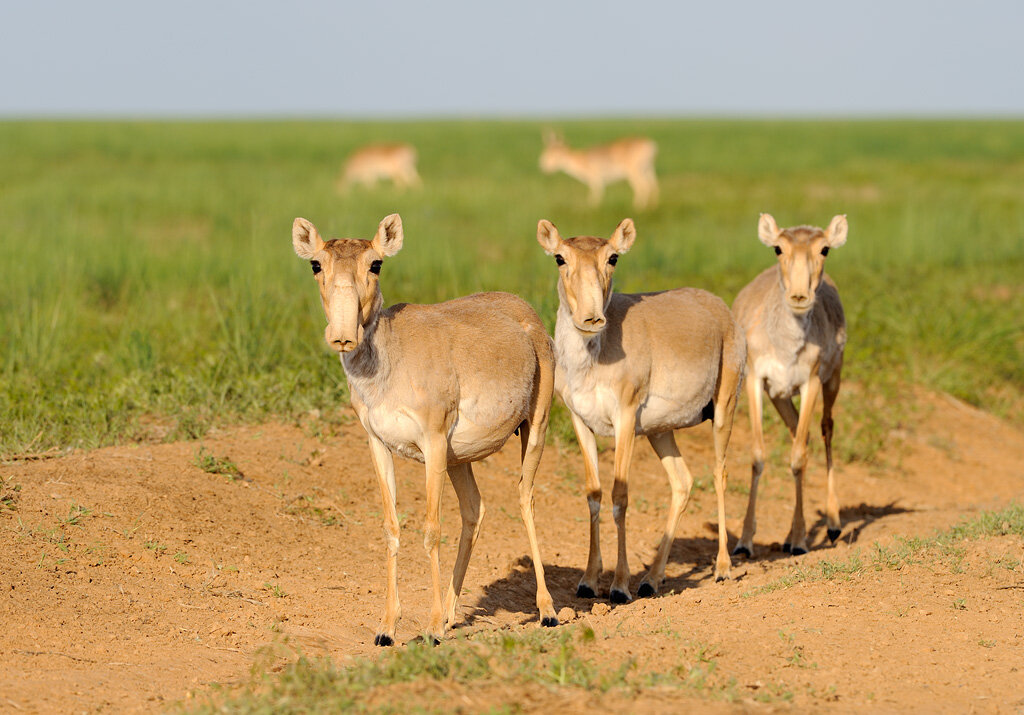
(585, 268)
(551, 159)
(801, 251)
(347, 271)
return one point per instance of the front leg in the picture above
(625, 433)
(587, 587)
(435, 457)
(796, 542)
(384, 466)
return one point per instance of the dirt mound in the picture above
(131, 576)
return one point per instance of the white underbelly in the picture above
(597, 407)
(467, 441)
(657, 414)
(400, 432)
(781, 379)
(470, 442)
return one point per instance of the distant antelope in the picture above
(796, 332)
(443, 384)
(630, 159)
(640, 364)
(367, 165)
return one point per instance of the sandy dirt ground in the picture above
(130, 577)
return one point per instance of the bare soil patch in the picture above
(130, 577)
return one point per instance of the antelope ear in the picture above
(836, 232)
(547, 236)
(305, 239)
(625, 233)
(388, 240)
(549, 137)
(768, 230)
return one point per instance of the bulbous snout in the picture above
(800, 301)
(341, 342)
(342, 345)
(586, 298)
(342, 332)
(591, 323)
(800, 285)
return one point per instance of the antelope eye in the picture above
(778, 251)
(316, 266)
(375, 267)
(613, 259)
(559, 260)
(824, 251)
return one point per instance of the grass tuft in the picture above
(212, 464)
(9, 493)
(945, 546)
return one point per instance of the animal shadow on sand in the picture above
(855, 519)
(699, 553)
(516, 592)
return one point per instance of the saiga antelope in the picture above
(796, 332)
(631, 159)
(371, 163)
(443, 384)
(640, 364)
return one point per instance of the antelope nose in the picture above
(799, 298)
(343, 346)
(594, 322)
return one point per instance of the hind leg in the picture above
(472, 510)
(533, 447)
(725, 412)
(755, 403)
(680, 480)
(830, 390)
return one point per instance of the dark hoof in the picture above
(646, 590)
(798, 551)
(549, 621)
(383, 639)
(833, 534)
(719, 579)
(742, 551)
(617, 596)
(585, 591)
(788, 548)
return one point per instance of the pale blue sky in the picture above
(436, 58)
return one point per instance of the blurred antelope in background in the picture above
(631, 159)
(640, 364)
(443, 384)
(396, 162)
(796, 332)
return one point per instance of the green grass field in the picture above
(150, 290)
